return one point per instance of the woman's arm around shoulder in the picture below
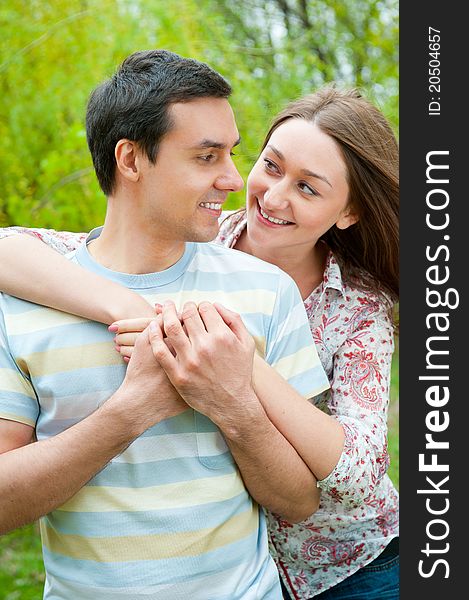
(33, 269)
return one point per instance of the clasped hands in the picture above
(206, 354)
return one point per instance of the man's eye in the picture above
(207, 157)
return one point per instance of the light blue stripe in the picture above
(208, 281)
(19, 404)
(98, 379)
(258, 580)
(291, 343)
(6, 362)
(65, 336)
(290, 310)
(154, 572)
(107, 524)
(15, 306)
(292, 317)
(161, 472)
(204, 424)
(308, 380)
(182, 423)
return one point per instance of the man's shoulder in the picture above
(232, 257)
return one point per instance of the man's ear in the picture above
(126, 154)
(348, 217)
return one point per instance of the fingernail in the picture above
(113, 328)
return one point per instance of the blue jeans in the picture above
(379, 580)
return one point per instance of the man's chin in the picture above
(204, 236)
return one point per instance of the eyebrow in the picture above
(306, 172)
(213, 144)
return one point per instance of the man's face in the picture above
(183, 192)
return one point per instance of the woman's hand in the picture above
(127, 331)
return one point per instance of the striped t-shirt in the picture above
(169, 517)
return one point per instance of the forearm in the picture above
(274, 473)
(33, 271)
(317, 437)
(41, 476)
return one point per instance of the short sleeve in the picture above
(290, 347)
(18, 401)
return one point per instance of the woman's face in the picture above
(297, 189)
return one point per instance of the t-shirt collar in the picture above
(135, 281)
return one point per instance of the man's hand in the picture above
(208, 355)
(207, 361)
(150, 390)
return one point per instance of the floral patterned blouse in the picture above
(358, 513)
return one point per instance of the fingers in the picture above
(159, 348)
(126, 339)
(173, 328)
(126, 325)
(192, 321)
(170, 346)
(233, 320)
(210, 317)
(125, 351)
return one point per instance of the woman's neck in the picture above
(306, 266)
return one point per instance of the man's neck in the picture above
(128, 246)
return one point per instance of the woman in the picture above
(322, 204)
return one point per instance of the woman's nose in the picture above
(275, 198)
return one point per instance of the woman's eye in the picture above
(270, 166)
(307, 189)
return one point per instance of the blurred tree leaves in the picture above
(53, 53)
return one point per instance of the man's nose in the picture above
(230, 180)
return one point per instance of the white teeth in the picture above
(212, 205)
(273, 219)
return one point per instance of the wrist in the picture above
(132, 306)
(247, 422)
(127, 415)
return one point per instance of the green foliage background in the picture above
(54, 52)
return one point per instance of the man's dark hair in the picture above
(134, 104)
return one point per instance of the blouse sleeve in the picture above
(359, 400)
(60, 241)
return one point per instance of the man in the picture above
(141, 494)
